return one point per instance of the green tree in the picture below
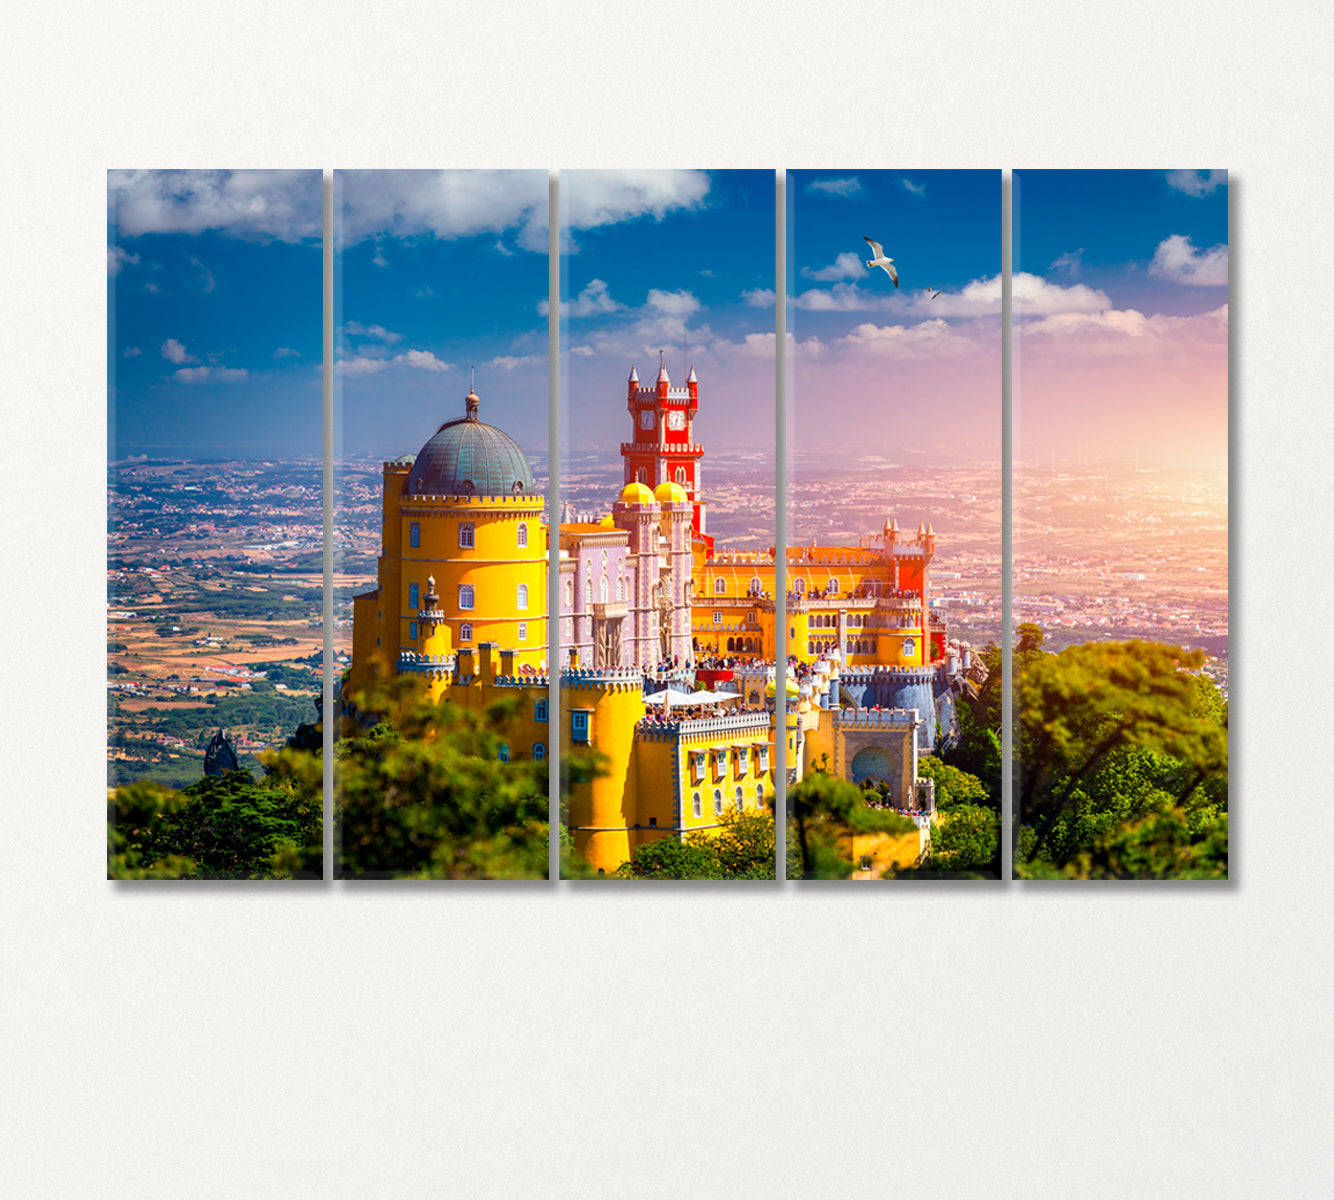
(671, 858)
(965, 840)
(953, 786)
(822, 811)
(744, 848)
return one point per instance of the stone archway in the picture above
(875, 763)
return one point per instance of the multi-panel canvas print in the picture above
(215, 527)
(665, 560)
(893, 504)
(1121, 524)
(441, 759)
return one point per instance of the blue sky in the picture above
(888, 369)
(649, 259)
(214, 305)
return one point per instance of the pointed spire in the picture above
(692, 378)
(662, 368)
(921, 531)
(634, 374)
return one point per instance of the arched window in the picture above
(604, 560)
(699, 807)
(523, 535)
(642, 475)
(465, 596)
(720, 587)
(731, 643)
(603, 590)
(540, 710)
(620, 588)
(504, 754)
(465, 632)
(539, 752)
(909, 647)
(522, 635)
(412, 631)
(413, 596)
(521, 597)
(759, 795)
(756, 587)
(718, 801)
(466, 537)
(569, 593)
(800, 586)
(740, 799)
(833, 586)
(414, 535)
(681, 475)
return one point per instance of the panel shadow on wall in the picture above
(1120, 524)
(893, 524)
(441, 524)
(667, 615)
(215, 542)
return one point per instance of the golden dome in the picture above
(607, 522)
(635, 493)
(668, 492)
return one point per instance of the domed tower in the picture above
(462, 522)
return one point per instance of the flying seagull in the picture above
(880, 260)
(933, 291)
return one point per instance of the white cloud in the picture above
(761, 346)
(850, 186)
(206, 280)
(132, 352)
(676, 304)
(593, 198)
(425, 292)
(927, 339)
(842, 297)
(593, 299)
(1070, 263)
(173, 351)
(117, 258)
(213, 374)
(1121, 332)
(501, 248)
(287, 205)
(286, 352)
(379, 260)
(379, 332)
(846, 266)
(508, 362)
(1196, 183)
(916, 189)
(365, 364)
(583, 351)
(1032, 295)
(1178, 261)
(759, 297)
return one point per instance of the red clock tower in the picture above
(664, 450)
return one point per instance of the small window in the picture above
(465, 632)
(465, 596)
(909, 647)
(717, 618)
(718, 801)
(699, 805)
(832, 586)
(504, 754)
(414, 534)
(521, 597)
(539, 752)
(569, 593)
(653, 822)
(866, 862)
(466, 534)
(540, 711)
(579, 727)
(523, 535)
(720, 587)
(740, 799)
(681, 475)
(620, 588)
(799, 587)
(412, 631)
(741, 761)
(643, 475)
(759, 795)
(414, 597)
(523, 631)
(602, 590)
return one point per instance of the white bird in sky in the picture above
(881, 261)
(933, 291)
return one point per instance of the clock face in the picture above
(646, 419)
(676, 420)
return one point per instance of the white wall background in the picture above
(477, 1041)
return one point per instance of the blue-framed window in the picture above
(523, 535)
(465, 596)
(412, 631)
(521, 596)
(414, 534)
(466, 534)
(539, 752)
(579, 726)
(504, 754)
(540, 711)
(414, 596)
(465, 632)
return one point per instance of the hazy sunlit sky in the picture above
(1121, 316)
(214, 303)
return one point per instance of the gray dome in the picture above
(467, 457)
